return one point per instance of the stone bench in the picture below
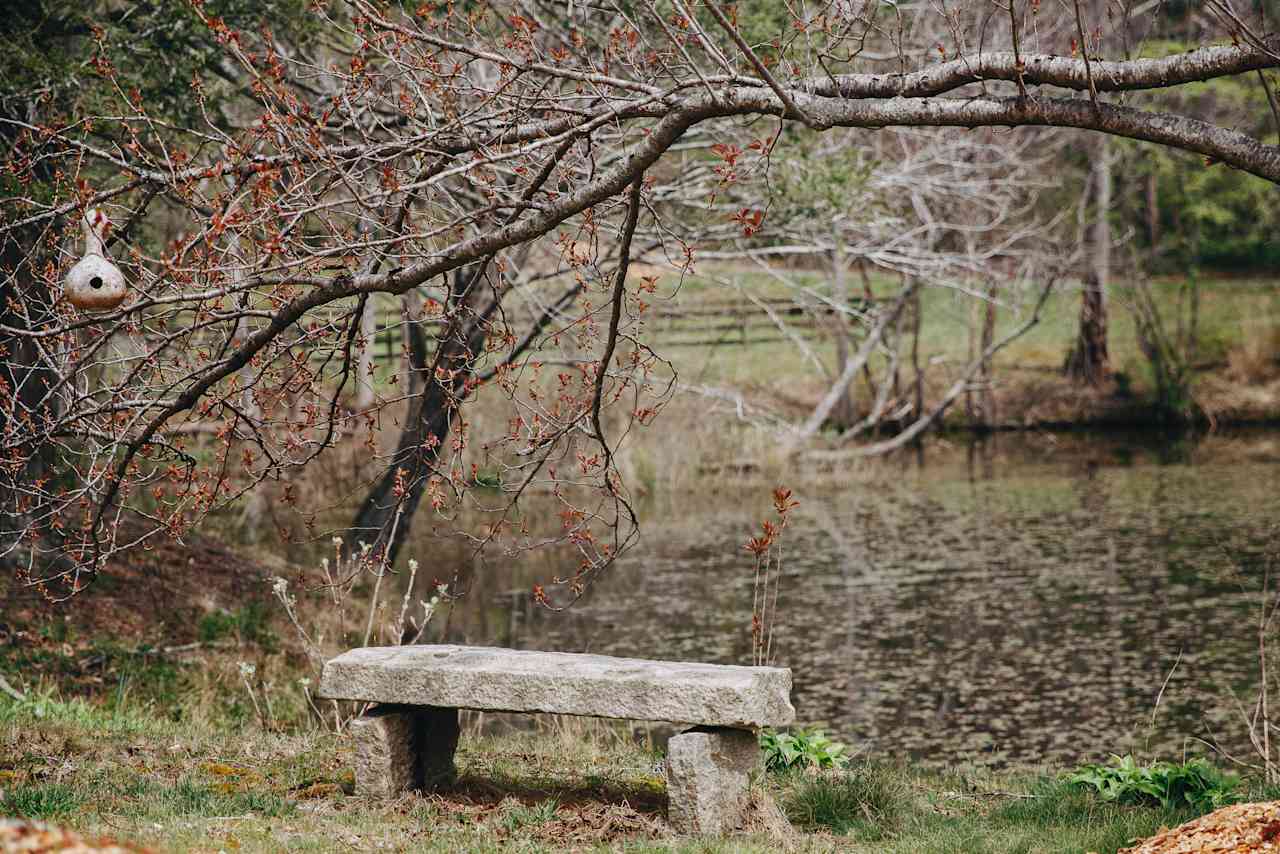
(408, 741)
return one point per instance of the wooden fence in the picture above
(708, 324)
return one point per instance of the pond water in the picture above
(1020, 601)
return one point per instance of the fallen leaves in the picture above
(575, 821)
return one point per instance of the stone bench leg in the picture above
(708, 773)
(399, 748)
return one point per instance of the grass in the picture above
(40, 802)
(247, 624)
(886, 809)
(139, 775)
(1239, 336)
(182, 786)
(866, 801)
(164, 750)
(1239, 341)
(1230, 305)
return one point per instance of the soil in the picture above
(154, 595)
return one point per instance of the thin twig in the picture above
(1164, 685)
(750, 54)
(1084, 51)
(1271, 99)
(1017, 53)
(773, 607)
(383, 569)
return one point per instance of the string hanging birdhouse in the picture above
(95, 283)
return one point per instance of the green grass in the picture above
(534, 815)
(1230, 309)
(1230, 305)
(41, 802)
(1239, 326)
(175, 764)
(865, 801)
(247, 624)
(894, 810)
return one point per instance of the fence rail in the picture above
(711, 324)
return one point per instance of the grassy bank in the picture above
(176, 746)
(135, 775)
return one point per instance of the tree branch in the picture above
(615, 317)
(1048, 70)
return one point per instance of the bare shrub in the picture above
(337, 616)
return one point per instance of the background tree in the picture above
(50, 76)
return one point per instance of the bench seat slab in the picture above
(507, 680)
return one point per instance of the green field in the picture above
(1234, 313)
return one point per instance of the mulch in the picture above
(33, 837)
(1236, 829)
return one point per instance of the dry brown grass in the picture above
(1255, 359)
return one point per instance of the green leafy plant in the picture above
(1195, 783)
(801, 749)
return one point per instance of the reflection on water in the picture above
(1022, 602)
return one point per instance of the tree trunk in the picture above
(415, 342)
(987, 398)
(1088, 362)
(842, 415)
(386, 516)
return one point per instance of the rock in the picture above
(563, 683)
(399, 748)
(708, 778)
(386, 755)
(410, 742)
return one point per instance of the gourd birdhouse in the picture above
(95, 283)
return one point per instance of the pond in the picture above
(1020, 601)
